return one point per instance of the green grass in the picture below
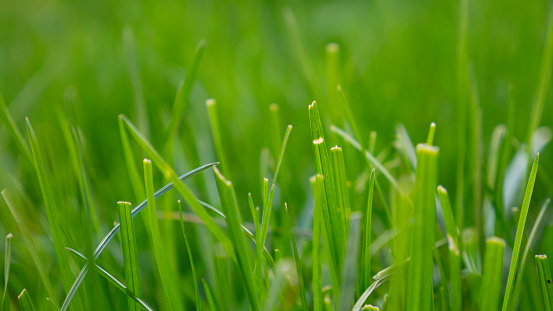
(344, 213)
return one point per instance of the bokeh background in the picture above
(398, 65)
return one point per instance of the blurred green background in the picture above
(398, 65)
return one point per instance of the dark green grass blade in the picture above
(167, 280)
(350, 268)
(13, 130)
(546, 285)
(493, 270)
(527, 250)
(190, 199)
(100, 248)
(419, 286)
(230, 208)
(52, 211)
(454, 252)
(183, 94)
(520, 232)
(130, 252)
(191, 258)
(297, 260)
(29, 242)
(112, 280)
(7, 263)
(25, 301)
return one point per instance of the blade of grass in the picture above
(13, 130)
(316, 252)
(230, 208)
(365, 263)
(493, 271)
(297, 260)
(545, 281)
(52, 304)
(209, 296)
(361, 301)
(407, 144)
(351, 263)
(25, 301)
(211, 105)
(112, 280)
(130, 252)
(29, 242)
(191, 258)
(162, 264)
(7, 262)
(431, 132)
(52, 211)
(527, 249)
(454, 253)
(419, 286)
(520, 232)
(183, 94)
(342, 195)
(132, 169)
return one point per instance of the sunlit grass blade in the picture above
(190, 199)
(183, 94)
(365, 263)
(167, 281)
(316, 241)
(527, 250)
(230, 208)
(113, 281)
(543, 82)
(431, 132)
(191, 258)
(13, 130)
(25, 301)
(132, 167)
(211, 105)
(297, 260)
(130, 252)
(546, 285)
(419, 286)
(370, 157)
(7, 263)
(493, 270)
(351, 263)
(520, 231)
(454, 253)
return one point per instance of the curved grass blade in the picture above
(52, 304)
(545, 281)
(527, 249)
(112, 280)
(134, 176)
(520, 232)
(233, 220)
(25, 301)
(7, 262)
(130, 252)
(297, 259)
(13, 130)
(100, 248)
(493, 270)
(361, 301)
(191, 258)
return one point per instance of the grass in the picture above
(354, 210)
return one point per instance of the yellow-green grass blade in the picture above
(190, 199)
(378, 281)
(167, 279)
(520, 232)
(297, 260)
(233, 220)
(493, 270)
(546, 285)
(543, 83)
(209, 296)
(132, 167)
(52, 211)
(370, 157)
(342, 194)
(211, 105)
(7, 263)
(407, 145)
(100, 248)
(130, 252)
(13, 130)
(30, 243)
(454, 252)
(351, 264)
(527, 249)
(431, 132)
(419, 283)
(365, 266)
(113, 281)
(25, 301)
(190, 257)
(183, 94)
(316, 251)
(52, 304)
